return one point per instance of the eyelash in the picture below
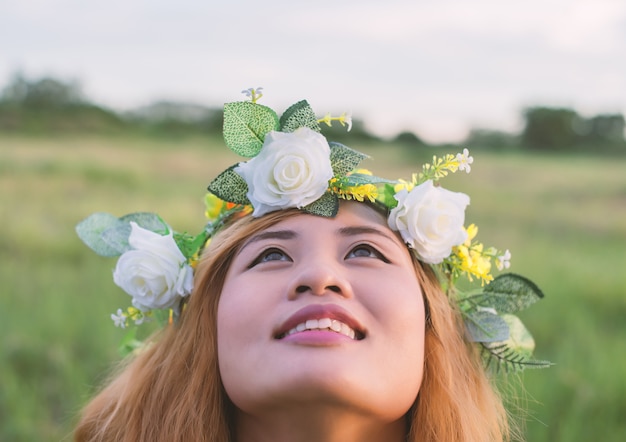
(370, 249)
(266, 253)
(284, 257)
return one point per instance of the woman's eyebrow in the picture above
(360, 230)
(271, 234)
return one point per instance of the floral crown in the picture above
(292, 165)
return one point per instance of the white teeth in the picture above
(345, 330)
(324, 324)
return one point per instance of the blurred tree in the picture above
(491, 139)
(51, 105)
(177, 118)
(550, 128)
(409, 139)
(42, 93)
(607, 128)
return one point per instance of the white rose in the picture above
(291, 170)
(430, 220)
(155, 272)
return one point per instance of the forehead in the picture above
(350, 214)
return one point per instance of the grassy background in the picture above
(563, 217)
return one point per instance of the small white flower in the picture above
(504, 261)
(292, 170)
(464, 160)
(253, 93)
(119, 318)
(154, 272)
(346, 119)
(430, 220)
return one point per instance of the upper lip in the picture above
(319, 311)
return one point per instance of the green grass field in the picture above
(562, 217)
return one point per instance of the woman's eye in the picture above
(271, 255)
(366, 251)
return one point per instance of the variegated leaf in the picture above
(245, 126)
(299, 115)
(230, 186)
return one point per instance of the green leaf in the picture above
(148, 221)
(299, 115)
(245, 126)
(344, 159)
(162, 316)
(129, 343)
(514, 354)
(327, 205)
(117, 236)
(387, 196)
(508, 293)
(359, 179)
(91, 229)
(230, 186)
(108, 236)
(519, 337)
(189, 245)
(485, 326)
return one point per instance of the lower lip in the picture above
(317, 337)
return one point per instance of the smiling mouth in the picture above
(324, 324)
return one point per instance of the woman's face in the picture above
(323, 311)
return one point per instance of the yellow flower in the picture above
(368, 191)
(214, 206)
(472, 231)
(358, 193)
(472, 259)
(344, 119)
(402, 184)
(327, 120)
(439, 168)
(133, 313)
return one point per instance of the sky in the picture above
(434, 67)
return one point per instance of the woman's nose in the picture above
(319, 279)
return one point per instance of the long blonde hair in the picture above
(172, 390)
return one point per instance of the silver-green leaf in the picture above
(508, 293)
(327, 205)
(344, 159)
(484, 326)
(359, 179)
(90, 231)
(299, 115)
(147, 220)
(245, 126)
(230, 186)
(514, 354)
(117, 236)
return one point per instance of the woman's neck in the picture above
(329, 425)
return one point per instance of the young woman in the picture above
(303, 326)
